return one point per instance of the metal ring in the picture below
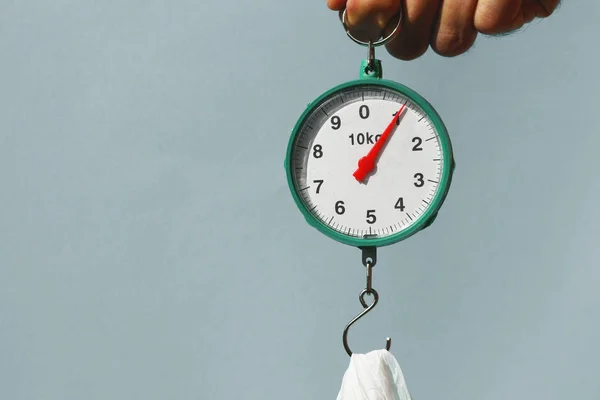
(369, 292)
(380, 42)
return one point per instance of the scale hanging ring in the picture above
(380, 42)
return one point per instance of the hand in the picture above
(449, 26)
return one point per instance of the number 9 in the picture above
(336, 122)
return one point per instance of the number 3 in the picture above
(420, 182)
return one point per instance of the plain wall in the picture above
(150, 249)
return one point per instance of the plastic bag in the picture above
(373, 376)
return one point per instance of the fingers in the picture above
(548, 7)
(454, 32)
(413, 40)
(450, 27)
(367, 19)
(336, 5)
(500, 16)
(450, 31)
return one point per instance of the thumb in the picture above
(367, 19)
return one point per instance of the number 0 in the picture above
(364, 112)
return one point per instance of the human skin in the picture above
(449, 27)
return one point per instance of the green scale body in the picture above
(369, 163)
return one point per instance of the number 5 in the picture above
(371, 218)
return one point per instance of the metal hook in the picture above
(361, 297)
(371, 57)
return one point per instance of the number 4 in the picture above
(400, 204)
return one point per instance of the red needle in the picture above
(367, 163)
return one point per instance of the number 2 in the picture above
(418, 143)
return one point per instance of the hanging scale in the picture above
(369, 163)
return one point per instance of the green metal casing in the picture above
(374, 78)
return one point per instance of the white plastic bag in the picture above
(373, 376)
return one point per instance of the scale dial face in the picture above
(410, 172)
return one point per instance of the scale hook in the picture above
(372, 291)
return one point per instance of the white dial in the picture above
(408, 162)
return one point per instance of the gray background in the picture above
(150, 248)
